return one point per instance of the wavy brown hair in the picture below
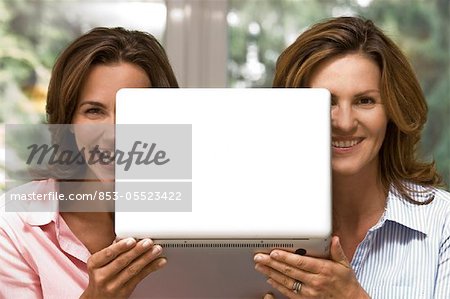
(103, 46)
(402, 95)
(106, 46)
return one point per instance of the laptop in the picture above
(217, 175)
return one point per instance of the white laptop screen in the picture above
(246, 163)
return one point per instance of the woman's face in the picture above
(358, 116)
(94, 116)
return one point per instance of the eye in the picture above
(366, 101)
(94, 111)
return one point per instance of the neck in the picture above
(358, 200)
(92, 217)
(92, 196)
(94, 229)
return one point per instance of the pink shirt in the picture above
(40, 256)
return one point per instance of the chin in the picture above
(357, 167)
(103, 173)
(345, 170)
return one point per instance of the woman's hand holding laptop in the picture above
(115, 271)
(291, 273)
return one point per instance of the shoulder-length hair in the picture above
(402, 95)
(99, 46)
(103, 46)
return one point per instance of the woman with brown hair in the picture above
(71, 254)
(391, 222)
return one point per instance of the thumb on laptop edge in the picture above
(269, 296)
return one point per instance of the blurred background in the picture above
(217, 43)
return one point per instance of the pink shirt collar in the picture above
(42, 218)
(66, 239)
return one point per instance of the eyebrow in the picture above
(359, 93)
(366, 92)
(93, 103)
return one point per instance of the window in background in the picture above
(260, 29)
(196, 41)
(32, 34)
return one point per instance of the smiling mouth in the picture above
(105, 156)
(106, 151)
(346, 143)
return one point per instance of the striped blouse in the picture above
(407, 253)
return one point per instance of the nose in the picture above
(343, 119)
(109, 133)
(110, 119)
(109, 130)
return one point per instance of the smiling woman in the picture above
(391, 222)
(358, 115)
(75, 246)
(96, 106)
